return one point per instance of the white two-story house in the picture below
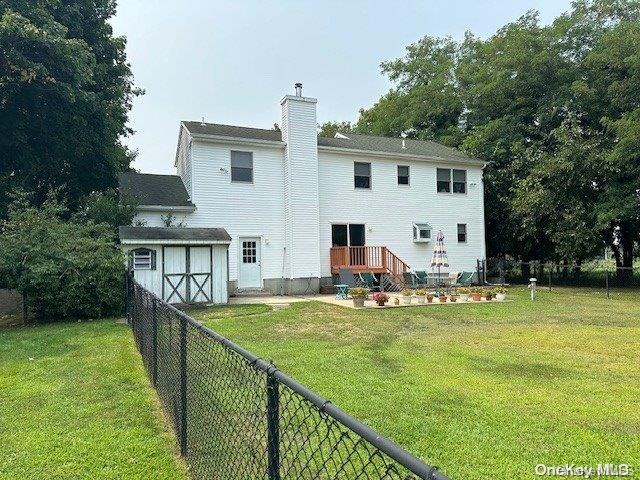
(297, 207)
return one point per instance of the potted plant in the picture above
(464, 294)
(488, 294)
(380, 298)
(406, 296)
(476, 294)
(359, 295)
(442, 297)
(500, 293)
(421, 295)
(453, 297)
(429, 297)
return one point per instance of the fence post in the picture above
(273, 428)
(183, 386)
(154, 343)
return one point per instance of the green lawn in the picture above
(75, 403)
(483, 391)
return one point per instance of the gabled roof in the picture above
(249, 133)
(371, 143)
(203, 235)
(154, 190)
(348, 141)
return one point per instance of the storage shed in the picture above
(179, 265)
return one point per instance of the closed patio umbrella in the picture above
(439, 258)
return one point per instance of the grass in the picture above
(76, 403)
(482, 391)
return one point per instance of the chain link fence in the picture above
(596, 274)
(237, 416)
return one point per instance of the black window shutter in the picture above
(153, 259)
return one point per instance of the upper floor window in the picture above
(143, 259)
(403, 175)
(451, 180)
(362, 175)
(241, 166)
(462, 233)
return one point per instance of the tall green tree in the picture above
(65, 93)
(545, 106)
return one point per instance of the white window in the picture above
(143, 259)
(241, 166)
(403, 175)
(446, 185)
(421, 232)
(362, 175)
(462, 233)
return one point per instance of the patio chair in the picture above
(347, 277)
(369, 281)
(410, 280)
(422, 277)
(465, 278)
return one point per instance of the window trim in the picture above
(408, 175)
(151, 259)
(231, 167)
(417, 227)
(466, 233)
(355, 187)
(451, 182)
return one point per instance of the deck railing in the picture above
(377, 259)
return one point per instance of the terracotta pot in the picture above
(381, 303)
(476, 297)
(452, 298)
(488, 296)
(443, 298)
(429, 298)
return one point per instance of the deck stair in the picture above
(376, 259)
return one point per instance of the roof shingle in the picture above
(174, 233)
(152, 189)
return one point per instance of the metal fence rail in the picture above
(236, 416)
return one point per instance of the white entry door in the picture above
(249, 268)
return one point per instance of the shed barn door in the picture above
(175, 274)
(200, 274)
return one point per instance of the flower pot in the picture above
(406, 300)
(443, 298)
(429, 298)
(464, 297)
(476, 297)
(421, 299)
(500, 297)
(452, 298)
(381, 303)
(488, 296)
(358, 302)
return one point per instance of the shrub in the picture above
(66, 269)
(421, 292)
(464, 290)
(500, 290)
(380, 297)
(407, 292)
(359, 292)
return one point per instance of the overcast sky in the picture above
(232, 61)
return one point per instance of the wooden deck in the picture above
(376, 259)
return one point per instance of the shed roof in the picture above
(173, 234)
(152, 189)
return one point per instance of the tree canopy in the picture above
(65, 93)
(554, 110)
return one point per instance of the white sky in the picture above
(232, 61)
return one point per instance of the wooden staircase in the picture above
(376, 259)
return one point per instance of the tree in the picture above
(65, 91)
(65, 269)
(108, 208)
(329, 129)
(546, 107)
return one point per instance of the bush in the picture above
(66, 269)
(359, 292)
